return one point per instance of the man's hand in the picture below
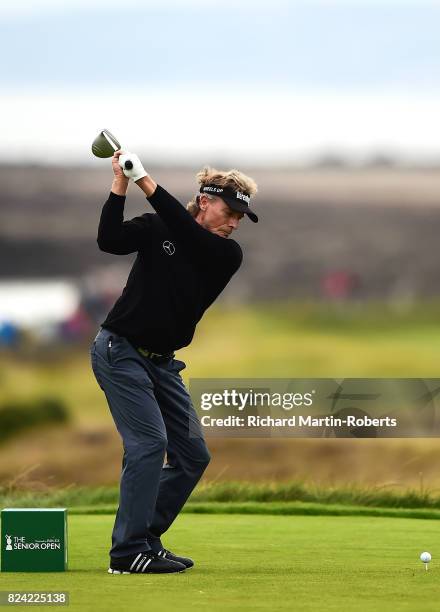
(136, 171)
(120, 181)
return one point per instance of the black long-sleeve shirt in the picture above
(180, 269)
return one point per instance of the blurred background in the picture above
(331, 106)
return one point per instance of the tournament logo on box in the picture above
(20, 543)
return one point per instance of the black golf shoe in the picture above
(167, 554)
(146, 562)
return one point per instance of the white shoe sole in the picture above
(113, 571)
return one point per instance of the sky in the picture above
(191, 80)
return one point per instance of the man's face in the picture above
(217, 217)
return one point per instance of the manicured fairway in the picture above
(248, 562)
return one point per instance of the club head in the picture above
(105, 144)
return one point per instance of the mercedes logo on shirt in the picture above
(169, 247)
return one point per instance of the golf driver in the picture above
(105, 144)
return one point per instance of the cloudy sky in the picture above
(192, 80)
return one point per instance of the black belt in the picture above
(146, 353)
(154, 356)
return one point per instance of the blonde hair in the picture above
(230, 178)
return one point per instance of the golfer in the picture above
(185, 258)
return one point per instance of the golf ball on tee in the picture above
(425, 557)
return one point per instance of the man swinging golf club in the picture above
(185, 258)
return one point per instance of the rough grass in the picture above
(281, 496)
(280, 509)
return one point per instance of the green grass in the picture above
(257, 563)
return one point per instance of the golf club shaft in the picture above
(110, 141)
(128, 164)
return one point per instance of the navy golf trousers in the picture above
(153, 413)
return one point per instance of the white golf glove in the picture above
(137, 171)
